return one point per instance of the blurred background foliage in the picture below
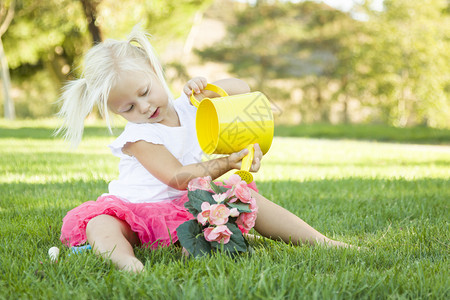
(316, 63)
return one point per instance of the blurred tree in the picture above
(41, 41)
(47, 38)
(91, 13)
(320, 60)
(166, 20)
(395, 61)
(251, 46)
(406, 54)
(40, 35)
(282, 40)
(6, 16)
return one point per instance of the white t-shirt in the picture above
(135, 183)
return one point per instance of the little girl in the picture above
(159, 155)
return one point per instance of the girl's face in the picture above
(141, 98)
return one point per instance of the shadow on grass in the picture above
(390, 199)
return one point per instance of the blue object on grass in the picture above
(80, 249)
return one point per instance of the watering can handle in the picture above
(248, 159)
(209, 87)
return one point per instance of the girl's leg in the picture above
(113, 239)
(274, 221)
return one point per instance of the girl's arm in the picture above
(166, 168)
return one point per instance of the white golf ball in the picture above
(53, 252)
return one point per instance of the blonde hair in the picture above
(103, 64)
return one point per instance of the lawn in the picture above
(391, 198)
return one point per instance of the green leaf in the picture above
(196, 198)
(237, 242)
(217, 188)
(191, 237)
(241, 207)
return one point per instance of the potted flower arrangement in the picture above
(222, 214)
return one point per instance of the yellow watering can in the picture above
(228, 124)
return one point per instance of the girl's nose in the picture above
(144, 107)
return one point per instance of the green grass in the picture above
(391, 198)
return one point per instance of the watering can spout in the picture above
(244, 172)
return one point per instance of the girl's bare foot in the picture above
(132, 265)
(337, 244)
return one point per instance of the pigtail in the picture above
(142, 39)
(76, 106)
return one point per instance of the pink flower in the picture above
(233, 179)
(220, 234)
(247, 220)
(253, 206)
(219, 214)
(232, 200)
(219, 198)
(200, 183)
(242, 191)
(234, 212)
(203, 217)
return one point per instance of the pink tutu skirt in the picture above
(154, 223)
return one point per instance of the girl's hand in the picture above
(197, 84)
(235, 159)
(256, 164)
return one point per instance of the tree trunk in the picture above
(345, 111)
(10, 113)
(90, 11)
(346, 117)
(322, 111)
